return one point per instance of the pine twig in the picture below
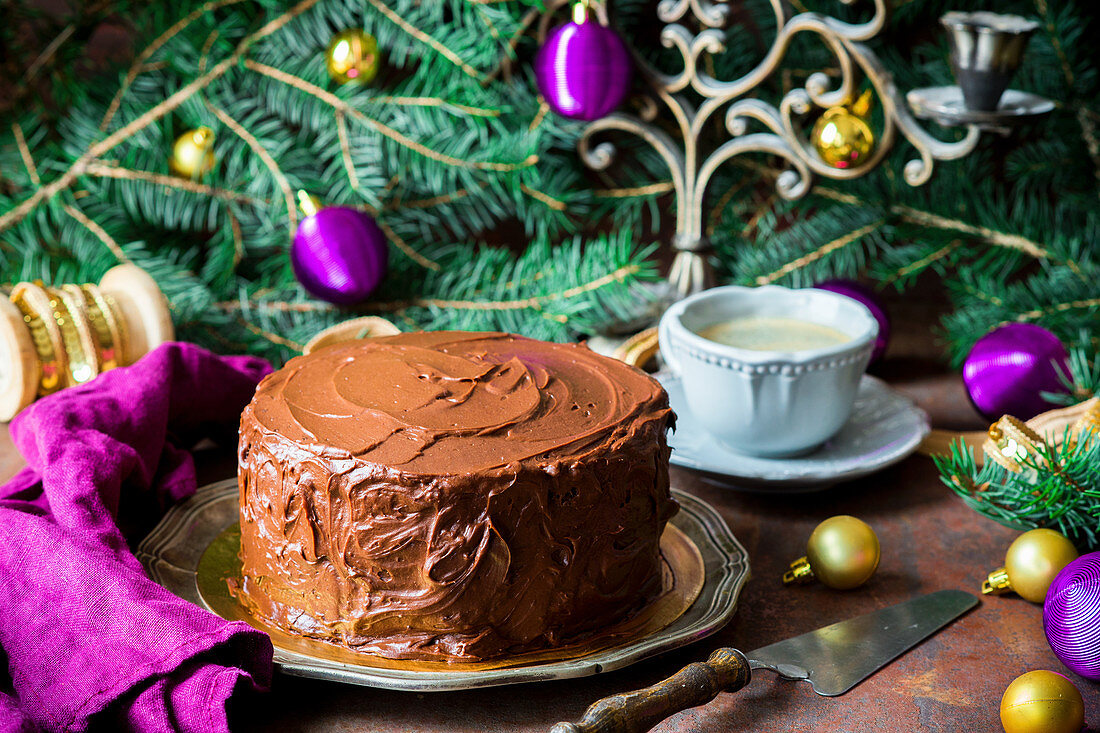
(97, 150)
(342, 106)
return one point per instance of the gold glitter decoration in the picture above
(32, 301)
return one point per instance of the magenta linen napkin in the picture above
(90, 641)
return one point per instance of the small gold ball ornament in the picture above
(193, 153)
(1032, 562)
(352, 56)
(842, 552)
(842, 136)
(1042, 702)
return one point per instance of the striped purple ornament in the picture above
(1010, 367)
(339, 255)
(1071, 616)
(583, 69)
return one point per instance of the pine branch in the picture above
(452, 146)
(585, 281)
(1058, 489)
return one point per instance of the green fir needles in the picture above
(1057, 488)
(492, 219)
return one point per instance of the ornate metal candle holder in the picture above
(692, 164)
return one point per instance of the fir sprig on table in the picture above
(455, 154)
(1059, 488)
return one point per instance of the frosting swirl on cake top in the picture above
(449, 402)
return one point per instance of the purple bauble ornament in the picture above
(1007, 370)
(583, 69)
(863, 294)
(1071, 616)
(339, 255)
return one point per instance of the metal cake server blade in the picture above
(834, 659)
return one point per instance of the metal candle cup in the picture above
(986, 50)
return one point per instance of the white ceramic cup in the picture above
(768, 403)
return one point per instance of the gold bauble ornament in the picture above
(193, 153)
(842, 552)
(352, 56)
(1042, 702)
(842, 136)
(1031, 564)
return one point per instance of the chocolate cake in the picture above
(452, 496)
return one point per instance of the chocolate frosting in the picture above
(452, 495)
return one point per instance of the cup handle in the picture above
(664, 342)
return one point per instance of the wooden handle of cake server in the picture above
(726, 670)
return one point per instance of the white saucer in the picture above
(884, 428)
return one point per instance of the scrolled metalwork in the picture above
(691, 167)
(714, 14)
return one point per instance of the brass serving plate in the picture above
(193, 551)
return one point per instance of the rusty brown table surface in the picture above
(930, 541)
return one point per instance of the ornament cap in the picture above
(308, 203)
(580, 12)
(861, 107)
(799, 572)
(996, 583)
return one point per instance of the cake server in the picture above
(834, 659)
